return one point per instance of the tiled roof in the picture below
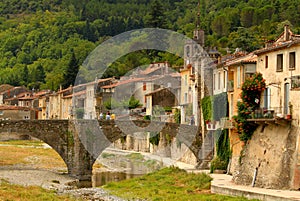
(155, 91)
(122, 82)
(13, 107)
(277, 46)
(249, 58)
(5, 87)
(75, 94)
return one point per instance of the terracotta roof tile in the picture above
(13, 107)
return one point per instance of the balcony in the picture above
(230, 86)
(271, 114)
(212, 125)
(226, 123)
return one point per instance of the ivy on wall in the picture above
(207, 108)
(154, 138)
(251, 94)
(223, 146)
(220, 106)
(214, 107)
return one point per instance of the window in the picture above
(187, 51)
(231, 105)
(266, 62)
(185, 80)
(224, 79)
(185, 97)
(238, 76)
(219, 80)
(1, 112)
(144, 86)
(214, 81)
(292, 60)
(279, 63)
(267, 98)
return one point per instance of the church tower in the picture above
(198, 32)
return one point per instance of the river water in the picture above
(117, 165)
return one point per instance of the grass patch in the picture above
(35, 143)
(31, 193)
(35, 157)
(135, 156)
(168, 184)
(107, 155)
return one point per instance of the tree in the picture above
(156, 17)
(72, 70)
(40, 73)
(247, 15)
(221, 25)
(25, 75)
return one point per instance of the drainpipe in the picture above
(254, 177)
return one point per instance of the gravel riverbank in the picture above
(25, 175)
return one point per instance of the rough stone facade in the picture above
(272, 152)
(80, 142)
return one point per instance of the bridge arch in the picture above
(80, 142)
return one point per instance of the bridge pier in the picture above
(80, 142)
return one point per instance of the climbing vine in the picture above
(207, 108)
(154, 138)
(223, 155)
(223, 147)
(220, 104)
(251, 94)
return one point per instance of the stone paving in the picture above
(222, 184)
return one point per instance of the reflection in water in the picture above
(102, 178)
(119, 167)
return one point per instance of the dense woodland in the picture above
(43, 42)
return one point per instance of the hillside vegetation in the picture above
(42, 40)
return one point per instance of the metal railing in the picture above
(268, 113)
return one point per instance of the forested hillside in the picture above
(41, 41)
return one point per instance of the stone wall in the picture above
(171, 148)
(272, 151)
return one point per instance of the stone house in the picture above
(237, 70)
(10, 112)
(279, 147)
(164, 98)
(10, 96)
(3, 88)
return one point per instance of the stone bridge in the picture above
(80, 142)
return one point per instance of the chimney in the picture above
(286, 36)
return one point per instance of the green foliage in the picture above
(79, 113)
(218, 164)
(133, 103)
(147, 117)
(168, 109)
(177, 116)
(111, 104)
(35, 33)
(154, 138)
(251, 94)
(169, 183)
(223, 151)
(72, 70)
(156, 18)
(220, 106)
(206, 104)
(33, 193)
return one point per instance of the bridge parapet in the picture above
(80, 142)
